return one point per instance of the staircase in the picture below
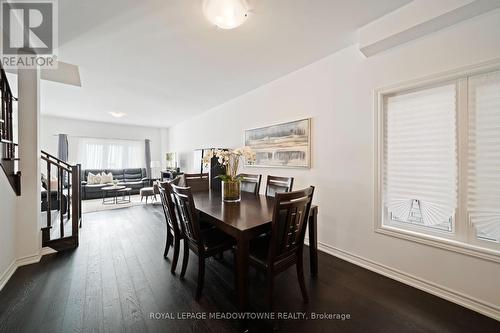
(8, 148)
(61, 203)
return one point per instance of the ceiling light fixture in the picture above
(117, 114)
(226, 14)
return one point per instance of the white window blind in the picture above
(420, 169)
(484, 155)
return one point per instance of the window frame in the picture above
(462, 238)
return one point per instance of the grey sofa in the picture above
(134, 178)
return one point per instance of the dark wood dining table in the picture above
(244, 221)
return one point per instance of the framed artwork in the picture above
(171, 159)
(285, 145)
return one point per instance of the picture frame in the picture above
(282, 145)
(171, 160)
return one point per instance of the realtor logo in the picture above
(29, 33)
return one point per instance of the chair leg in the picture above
(168, 244)
(270, 291)
(177, 245)
(300, 276)
(201, 275)
(185, 259)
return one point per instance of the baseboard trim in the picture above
(5, 277)
(28, 260)
(464, 300)
(23, 261)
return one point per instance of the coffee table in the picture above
(121, 195)
(109, 194)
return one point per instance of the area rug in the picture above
(96, 205)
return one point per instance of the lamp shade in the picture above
(226, 14)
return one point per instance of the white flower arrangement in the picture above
(230, 159)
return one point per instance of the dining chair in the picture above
(178, 181)
(197, 181)
(174, 234)
(276, 184)
(250, 183)
(283, 247)
(204, 243)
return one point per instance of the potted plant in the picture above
(230, 159)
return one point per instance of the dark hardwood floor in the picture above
(118, 277)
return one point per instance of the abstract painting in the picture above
(171, 159)
(282, 145)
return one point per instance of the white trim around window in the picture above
(462, 238)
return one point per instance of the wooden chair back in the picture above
(167, 202)
(290, 215)
(250, 183)
(178, 181)
(276, 184)
(187, 215)
(197, 181)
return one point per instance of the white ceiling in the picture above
(161, 61)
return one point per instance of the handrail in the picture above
(6, 82)
(55, 158)
(56, 164)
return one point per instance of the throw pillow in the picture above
(106, 178)
(93, 179)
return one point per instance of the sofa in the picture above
(135, 178)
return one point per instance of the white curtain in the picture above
(484, 155)
(94, 153)
(420, 180)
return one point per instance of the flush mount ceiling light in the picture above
(117, 114)
(226, 14)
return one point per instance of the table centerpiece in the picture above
(230, 160)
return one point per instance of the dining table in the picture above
(245, 220)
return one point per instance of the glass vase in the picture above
(231, 191)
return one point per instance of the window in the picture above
(484, 155)
(439, 162)
(420, 181)
(95, 153)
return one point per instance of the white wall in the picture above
(7, 227)
(164, 147)
(51, 126)
(337, 92)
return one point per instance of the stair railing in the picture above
(8, 148)
(68, 202)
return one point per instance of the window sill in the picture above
(442, 243)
